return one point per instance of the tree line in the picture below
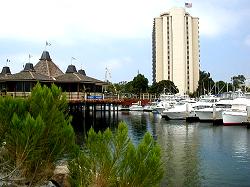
(206, 85)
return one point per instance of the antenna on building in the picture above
(30, 57)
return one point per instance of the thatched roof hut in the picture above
(47, 67)
(46, 72)
(75, 81)
(24, 80)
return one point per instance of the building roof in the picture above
(29, 67)
(45, 56)
(81, 71)
(5, 70)
(72, 75)
(71, 69)
(28, 74)
(47, 67)
(46, 70)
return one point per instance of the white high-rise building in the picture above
(176, 52)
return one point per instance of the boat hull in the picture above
(136, 109)
(174, 115)
(209, 115)
(234, 118)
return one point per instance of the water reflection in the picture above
(180, 144)
(196, 154)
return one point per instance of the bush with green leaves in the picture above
(35, 134)
(111, 159)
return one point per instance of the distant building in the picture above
(175, 49)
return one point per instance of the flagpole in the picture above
(72, 58)
(47, 44)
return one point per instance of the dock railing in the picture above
(91, 95)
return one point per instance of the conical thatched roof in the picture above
(5, 70)
(29, 67)
(47, 67)
(72, 75)
(28, 74)
(77, 77)
(71, 69)
(81, 71)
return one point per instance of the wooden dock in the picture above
(94, 105)
(101, 104)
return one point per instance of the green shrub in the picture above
(112, 160)
(36, 135)
(8, 107)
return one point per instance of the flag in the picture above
(8, 60)
(188, 5)
(48, 44)
(30, 55)
(73, 58)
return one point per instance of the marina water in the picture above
(194, 154)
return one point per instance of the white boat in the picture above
(150, 107)
(165, 101)
(161, 106)
(214, 112)
(234, 117)
(238, 112)
(180, 111)
(205, 105)
(136, 107)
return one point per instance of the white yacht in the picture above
(165, 101)
(238, 112)
(213, 112)
(180, 111)
(150, 106)
(204, 103)
(136, 107)
(234, 117)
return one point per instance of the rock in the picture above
(60, 177)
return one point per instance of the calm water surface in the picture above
(194, 154)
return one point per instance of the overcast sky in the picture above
(116, 34)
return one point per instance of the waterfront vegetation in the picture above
(206, 85)
(111, 159)
(36, 134)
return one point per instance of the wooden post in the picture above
(214, 112)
